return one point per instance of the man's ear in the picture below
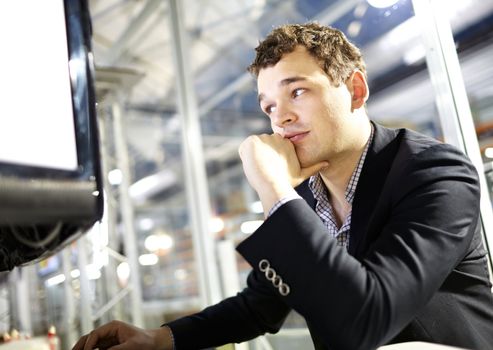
(358, 88)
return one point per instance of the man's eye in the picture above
(269, 109)
(298, 92)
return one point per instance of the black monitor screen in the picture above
(50, 186)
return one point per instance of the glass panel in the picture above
(472, 27)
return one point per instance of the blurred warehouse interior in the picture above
(136, 83)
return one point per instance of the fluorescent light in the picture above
(146, 224)
(380, 4)
(93, 272)
(53, 281)
(488, 152)
(250, 226)
(150, 185)
(256, 207)
(216, 225)
(414, 55)
(123, 271)
(115, 177)
(161, 241)
(181, 274)
(148, 259)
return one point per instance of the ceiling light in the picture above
(360, 10)
(354, 28)
(380, 4)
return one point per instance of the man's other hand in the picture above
(121, 336)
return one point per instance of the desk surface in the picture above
(36, 343)
(416, 345)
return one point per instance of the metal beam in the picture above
(116, 51)
(327, 17)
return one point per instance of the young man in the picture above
(382, 246)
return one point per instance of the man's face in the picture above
(304, 106)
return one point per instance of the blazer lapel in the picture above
(304, 191)
(372, 179)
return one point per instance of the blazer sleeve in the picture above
(252, 312)
(362, 303)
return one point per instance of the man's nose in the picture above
(283, 115)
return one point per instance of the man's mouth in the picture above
(296, 137)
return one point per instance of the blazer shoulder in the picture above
(417, 148)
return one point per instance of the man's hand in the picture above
(272, 167)
(121, 336)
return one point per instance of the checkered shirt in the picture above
(323, 208)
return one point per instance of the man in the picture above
(384, 246)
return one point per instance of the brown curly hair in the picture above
(329, 46)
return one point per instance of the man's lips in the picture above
(296, 136)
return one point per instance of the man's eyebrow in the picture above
(284, 82)
(291, 80)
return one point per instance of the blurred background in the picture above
(174, 103)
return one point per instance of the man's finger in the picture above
(80, 343)
(107, 333)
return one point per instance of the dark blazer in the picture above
(416, 268)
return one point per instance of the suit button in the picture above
(277, 282)
(270, 274)
(284, 289)
(263, 265)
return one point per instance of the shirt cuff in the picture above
(289, 197)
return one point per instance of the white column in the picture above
(69, 312)
(127, 211)
(194, 166)
(22, 303)
(451, 97)
(86, 324)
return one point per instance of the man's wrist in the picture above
(270, 198)
(163, 338)
(282, 201)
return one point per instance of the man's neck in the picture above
(337, 175)
(336, 183)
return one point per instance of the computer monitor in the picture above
(50, 181)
